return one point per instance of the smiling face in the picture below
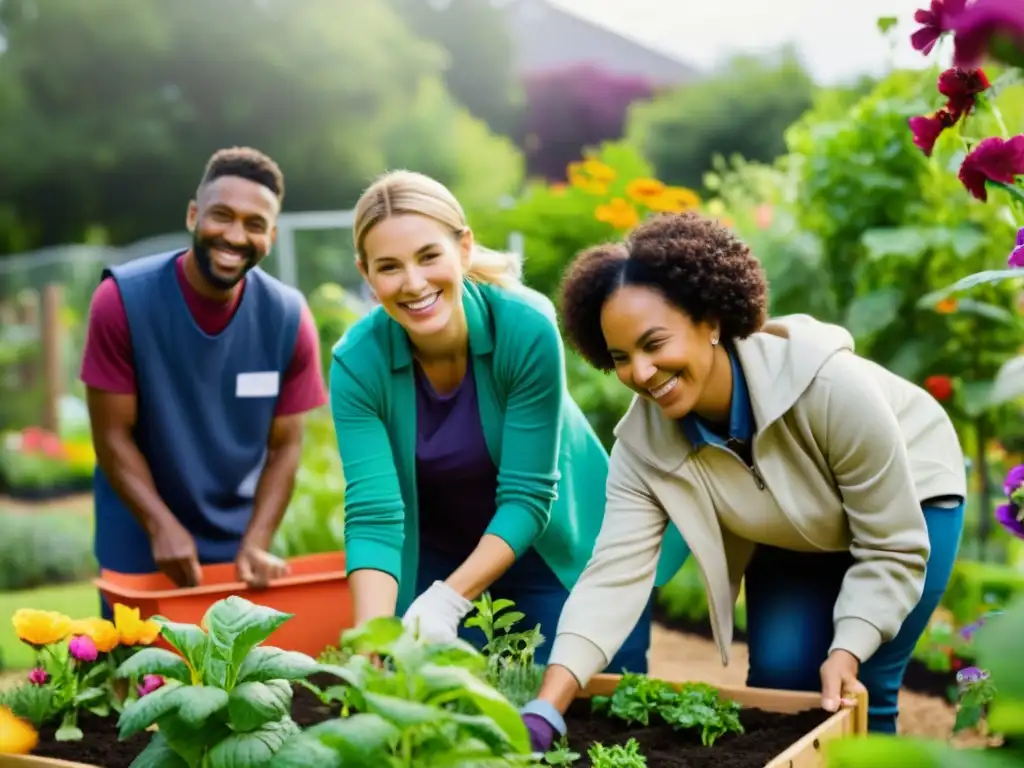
(415, 266)
(233, 224)
(658, 350)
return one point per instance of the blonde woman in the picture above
(468, 467)
(832, 486)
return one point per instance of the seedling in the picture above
(618, 756)
(510, 654)
(560, 754)
(638, 698)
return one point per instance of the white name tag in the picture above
(258, 384)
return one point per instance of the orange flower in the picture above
(133, 630)
(644, 190)
(947, 306)
(40, 628)
(674, 200)
(17, 737)
(103, 633)
(619, 213)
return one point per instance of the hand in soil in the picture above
(174, 551)
(839, 683)
(257, 567)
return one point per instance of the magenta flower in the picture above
(936, 21)
(961, 87)
(1011, 518)
(1015, 477)
(984, 25)
(1017, 254)
(83, 648)
(993, 159)
(926, 130)
(149, 684)
(38, 676)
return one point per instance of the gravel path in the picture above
(676, 656)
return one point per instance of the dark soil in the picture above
(100, 746)
(767, 735)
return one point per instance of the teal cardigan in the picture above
(552, 467)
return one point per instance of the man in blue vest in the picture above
(198, 368)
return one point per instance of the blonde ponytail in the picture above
(501, 268)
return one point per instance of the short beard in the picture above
(204, 261)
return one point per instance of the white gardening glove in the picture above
(435, 615)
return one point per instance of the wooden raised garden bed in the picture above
(783, 730)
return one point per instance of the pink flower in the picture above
(1017, 254)
(149, 684)
(38, 676)
(994, 159)
(935, 22)
(961, 87)
(926, 130)
(82, 648)
(986, 25)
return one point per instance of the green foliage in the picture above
(44, 548)
(423, 705)
(560, 754)
(227, 699)
(617, 756)
(742, 110)
(510, 654)
(638, 698)
(976, 589)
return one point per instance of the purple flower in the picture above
(1015, 477)
(83, 648)
(971, 675)
(967, 632)
(1017, 255)
(984, 26)
(38, 676)
(1008, 516)
(149, 684)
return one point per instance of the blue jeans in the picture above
(790, 596)
(538, 593)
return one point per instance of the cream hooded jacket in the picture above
(848, 450)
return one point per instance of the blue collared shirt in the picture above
(741, 416)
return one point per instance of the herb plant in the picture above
(560, 754)
(510, 654)
(618, 756)
(422, 705)
(638, 698)
(226, 700)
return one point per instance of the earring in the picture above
(714, 341)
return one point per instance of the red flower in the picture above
(987, 24)
(994, 159)
(961, 87)
(936, 22)
(927, 130)
(939, 387)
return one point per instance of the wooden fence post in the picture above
(52, 355)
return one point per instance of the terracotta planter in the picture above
(808, 751)
(31, 761)
(316, 592)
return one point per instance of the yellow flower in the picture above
(598, 171)
(103, 633)
(583, 181)
(947, 306)
(40, 627)
(619, 213)
(644, 190)
(131, 627)
(674, 200)
(17, 737)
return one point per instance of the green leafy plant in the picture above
(226, 700)
(421, 705)
(638, 698)
(510, 654)
(618, 756)
(976, 692)
(560, 754)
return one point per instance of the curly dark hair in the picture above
(694, 262)
(247, 163)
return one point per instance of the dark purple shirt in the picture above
(456, 478)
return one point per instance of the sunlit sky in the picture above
(838, 39)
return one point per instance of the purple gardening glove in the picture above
(544, 723)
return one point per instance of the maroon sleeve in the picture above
(302, 388)
(107, 362)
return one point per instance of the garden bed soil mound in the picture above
(767, 735)
(100, 745)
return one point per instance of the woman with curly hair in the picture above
(833, 486)
(468, 467)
